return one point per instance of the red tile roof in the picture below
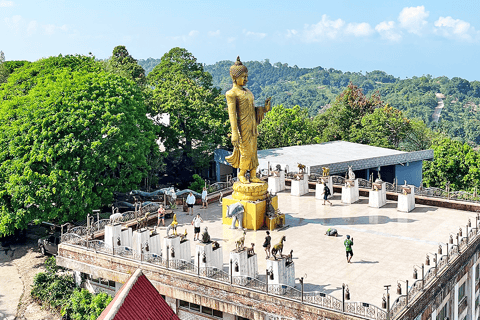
(138, 299)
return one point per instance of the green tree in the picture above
(82, 305)
(68, 140)
(197, 111)
(453, 162)
(122, 63)
(284, 127)
(386, 127)
(346, 114)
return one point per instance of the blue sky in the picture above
(403, 38)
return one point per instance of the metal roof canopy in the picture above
(338, 155)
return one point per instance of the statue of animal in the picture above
(205, 236)
(250, 251)
(142, 222)
(235, 211)
(183, 236)
(301, 168)
(173, 226)
(351, 174)
(240, 242)
(278, 248)
(325, 171)
(116, 217)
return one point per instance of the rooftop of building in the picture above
(337, 155)
(387, 243)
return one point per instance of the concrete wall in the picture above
(411, 171)
(179, 285)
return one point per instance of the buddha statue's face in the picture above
(242, 79)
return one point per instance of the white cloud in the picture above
(359, 29)
(214, 33)
(32, 27)
(326, 28)
(455, 28)
(291, 33)
(193, 33)
(257, 35)
(13, 23)
(231, 39)
(5, 3)
(387, 30)
(49, 29)
(413, 19)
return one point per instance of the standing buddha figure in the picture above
(244, 118)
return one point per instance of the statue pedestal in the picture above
(350, 193)
(177, 249)
(155, 244)
(319, 187)
(276, 184)
(208, 256)
(254, 215)
(139, 239)
(299, 187)
(378, 198)
(112, 233)
(283, 272)
(126, 237)
(247, 266)
(406, 200)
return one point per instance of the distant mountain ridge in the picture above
(315, 88)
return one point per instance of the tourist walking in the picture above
(190, 202)
(326, 193)
(196, 225)
(204, 198)
(348, 248)
(161, 215)
(267, 244)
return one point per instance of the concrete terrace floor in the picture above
(387, 243)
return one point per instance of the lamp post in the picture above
(399, 289)
(231, 271)
(415, 275)
(269, 275)
(345, 295)
(386, 301)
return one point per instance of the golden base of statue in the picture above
(250, 191)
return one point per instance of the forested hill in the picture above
(315, 88)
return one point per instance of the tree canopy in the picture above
(70, 135)
(197, 111)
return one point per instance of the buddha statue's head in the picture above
(239, 72)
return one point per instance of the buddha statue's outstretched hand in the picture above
(268, 104)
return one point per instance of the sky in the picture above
(402, 38)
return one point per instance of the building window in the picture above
(461, 292)
(109, 284)
(443, 313)
(201, 309)
(241, 318)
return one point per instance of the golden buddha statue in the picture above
(244, 118)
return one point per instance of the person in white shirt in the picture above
(190, 202)
(204, 198)
(196, 224)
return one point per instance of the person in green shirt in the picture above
(348, 247)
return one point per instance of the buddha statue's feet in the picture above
(242, 179)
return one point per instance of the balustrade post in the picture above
(198, 263)
(267, 279)
(168, 256)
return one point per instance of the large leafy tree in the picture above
(454, 162)
(197, 111)
(386, 127)
(70, 135)
(284, 127)
(122, 63)
(346, 113)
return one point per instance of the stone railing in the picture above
(318, 299)
(391, 187)
(453, 253)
